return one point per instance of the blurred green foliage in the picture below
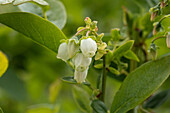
(33, 70)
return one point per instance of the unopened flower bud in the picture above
(94, 25)
(168, 40)
(63, 52)
(153, 51)
(88, 47)
(81, 62)
(88, 22)
(80, 76)
(72, 48)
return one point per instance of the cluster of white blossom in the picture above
(81, 53)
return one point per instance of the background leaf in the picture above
(157, 99)
(54, 90)
(3, 63)
(98, 106)
(38, 29)
(43, 108)
(1, 111)
(82, 99)
(56, 13)
(140, 84)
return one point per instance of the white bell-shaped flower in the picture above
(73, 48)
(80, 76)
(88, 47)
(168, 40)
(63, 52)
(81, 62)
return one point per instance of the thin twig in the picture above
(157, 38)
(87, 34)
(80, 31)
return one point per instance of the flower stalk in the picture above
(102, 98)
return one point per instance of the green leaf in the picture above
(69, 79)
(82, 99)
(43, 108)
(41, 2)
(157, 100)
(165, 23)
(98, 106)
(6, 1)
(120, 51)
(54, 90)
(38, 29)
(131, 55)
(3, 63)
(18, 2)
(140, 84)
(56, 14)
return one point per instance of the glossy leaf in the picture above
(3, 63)
(140, 84)
(82, 99)
(157, 100)
(131, 55)
(38, 29)
(98, 106)
(56, 13)
(120, 51)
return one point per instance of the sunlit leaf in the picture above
(3, 63)
(36, 28)
(140, 84)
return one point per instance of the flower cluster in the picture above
(80, 51)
